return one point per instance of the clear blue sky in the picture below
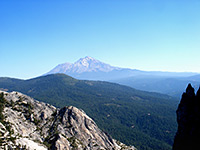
(157, 35)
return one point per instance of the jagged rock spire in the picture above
(198, 92)
(188, 118)
(190, 90)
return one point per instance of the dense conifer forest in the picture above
(143, 119)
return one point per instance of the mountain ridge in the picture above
(93, 69)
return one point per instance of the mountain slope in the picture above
(144, 119)
(38, 126)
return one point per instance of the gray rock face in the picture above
(31, 124)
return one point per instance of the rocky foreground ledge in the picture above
(29, 124)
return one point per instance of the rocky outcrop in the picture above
(188, 118)
(31, 124)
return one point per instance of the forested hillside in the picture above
(143, 119)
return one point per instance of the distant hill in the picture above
(88, 68)
(143, 119)
(172, 86)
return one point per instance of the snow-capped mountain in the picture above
(88, 68)
(87, 64)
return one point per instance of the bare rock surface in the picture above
(35, 125)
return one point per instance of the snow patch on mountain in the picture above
(87, 64)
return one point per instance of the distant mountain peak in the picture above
(89, 68)
(83, 65)
(88, 58)
(86, 61)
